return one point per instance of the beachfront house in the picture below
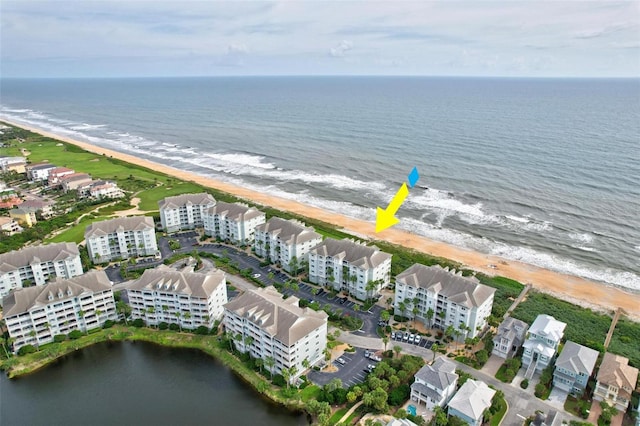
(435, 384)
(121, 238)
(185, 211)
(100, 189)
(189, 299)
(285, 242)
(440, 297)
(276, 330)
(542, 343)
(470, 402)
(10, 226)
(234, 222)
(349, 265)
(36, 264)
(35, 315)
(55, 175)
(509, 338)
(39, 172)
(573, 367)
(75, 181)
(616, 381)
(13, 164)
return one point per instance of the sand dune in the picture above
(571, 288)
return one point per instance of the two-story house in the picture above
(509, 338)
(435, 384)
(471, 401)
(574, 366)
(542, 343)
(615, 382)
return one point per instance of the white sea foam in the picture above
(581, 237)
(84, 126)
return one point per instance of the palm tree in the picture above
(286, 373)
(415, 311)
(270, 362)
(150, 310)
(32, 334)
(248, 341)
(430, 314)
(385, 340)
(306, 364)
(370, 287)
(187, 316)
(389, 302)
(178, 315)
(397, 349)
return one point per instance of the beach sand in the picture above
(573, 289)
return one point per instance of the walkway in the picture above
(350, 412)
(515, 303)
(607, 339)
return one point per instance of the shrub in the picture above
(540, 390)
(108, 324)
(278, 380)
(138, 322)
(399, 395)
(482, 356)
(201, 330)
(173, 326)
(59, 338)
(26, 349)
(163, 326)
(75, 334)
(524, 384)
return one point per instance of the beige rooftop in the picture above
(616, 371)
(37, 254)
(290, 232)
(166, 280)
(26, 299)
(120, 224)
(177, 201)
(281, 318)
(356, 253)
(235, 211)
(465, 291)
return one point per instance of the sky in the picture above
(113, 38)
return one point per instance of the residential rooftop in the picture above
(616, 371)
(472, 398)
(465, 291)
(577, 358)
(167, 280)
(176, 201)
(120, 224)
(548, 327)
(235, 211)
(290, 232)
(356, 253)
(37, 254)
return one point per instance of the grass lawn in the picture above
(497, 417)
(309, 393)
(149, 198)
(76, 233)
(335, 418)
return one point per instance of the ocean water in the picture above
(544, 171)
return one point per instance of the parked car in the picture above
(341, 361)
(405, 337)
(256, 275)
(418, 339)
(393, 335)
(370, 368)
(412, 338)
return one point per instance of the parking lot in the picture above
(351, 373)
(424, 342)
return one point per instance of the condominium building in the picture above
(35, 265)
(39, 172)
(121, 238)
(184, 211)
(276, 330)
(349, 265)
(285, 242)
(542, 342)
(616, 381)
(189, 299)
(235, 222)
(440, 297)
(35, 315)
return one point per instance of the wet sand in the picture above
(573, 289)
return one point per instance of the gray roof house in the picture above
(470, 402)
(573, 368)
(435, 384)
(509, 338)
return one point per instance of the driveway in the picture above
(557, 397)
(493, 365)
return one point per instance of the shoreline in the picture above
(586, 293)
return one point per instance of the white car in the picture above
(341, 361)
(412, 338)
(256, 275)
(418, 339)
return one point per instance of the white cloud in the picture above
(341, 49)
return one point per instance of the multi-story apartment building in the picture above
(542, 343)
(285, 242)
(616, 381)
(573, 368)
(435, 384)
(190, 299)
(509, 338)
(440, 298)
(184, 211)
(121, 238)
(35, 265)
(39, 172)
(360, 270)
(276, 330)
(35, 315)
(235, 222)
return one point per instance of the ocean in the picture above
(543, 171)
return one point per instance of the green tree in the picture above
(430, 314)
(385, 340)
(397, 349)
(270, 362)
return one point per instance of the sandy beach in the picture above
(570, 288)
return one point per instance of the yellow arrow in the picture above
(387, 218)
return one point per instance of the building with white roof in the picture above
(35, 315)
(276, 330)
(190, 299)
(121, 238)
(470, 402)
(285, 242)
(185, 211)
(443, 297)
(39, 172)
(349, 265)
(37, 264)
(542, 343)
(235, 222)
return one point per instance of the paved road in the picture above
(351, 373)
